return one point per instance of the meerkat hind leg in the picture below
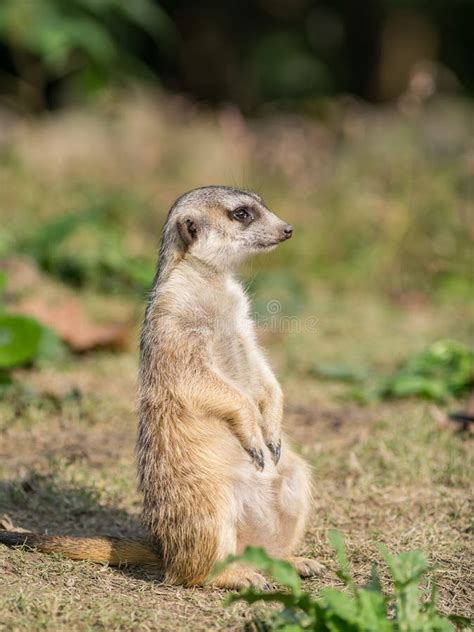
(237, 577)
(294, 500)
(280, 526)
(306, 566)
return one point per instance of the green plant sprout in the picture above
(356, 609)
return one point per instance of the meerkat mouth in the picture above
(267, 246)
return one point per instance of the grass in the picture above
(377, 270)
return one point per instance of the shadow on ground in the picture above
(43, 505)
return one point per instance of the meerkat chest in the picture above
(234, 341)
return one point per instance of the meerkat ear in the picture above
(188, 230)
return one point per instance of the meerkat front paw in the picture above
(257, 457)
(275, 449)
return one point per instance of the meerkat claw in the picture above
(275, 449)
(257, 457)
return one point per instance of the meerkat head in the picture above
(220, 226)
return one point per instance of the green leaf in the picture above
(419, 385)
(444, 369)
(337, 543)
(51, 347)
(285, 574)
(5, 379)
(457, 619)
(407, 570)
(374, 583)
(338, 372)
(20, 339)
(405, 567)
(149, 16)
(372, 614)
(57, 41)
(56, 231)
(437, 623)
(281, 570)
(3, 282)
(341, 604)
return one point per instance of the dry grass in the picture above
(383, 473)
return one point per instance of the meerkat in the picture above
(214, 469)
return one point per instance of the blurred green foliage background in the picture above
(256, 53)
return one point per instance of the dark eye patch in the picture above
(244, 214)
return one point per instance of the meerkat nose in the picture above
(288, 231)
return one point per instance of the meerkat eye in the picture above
(242, 215)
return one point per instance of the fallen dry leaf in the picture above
(31, 292)
(67, 318)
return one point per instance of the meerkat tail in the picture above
(101, 549)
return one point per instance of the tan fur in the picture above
(211, 408)
(104, 550)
